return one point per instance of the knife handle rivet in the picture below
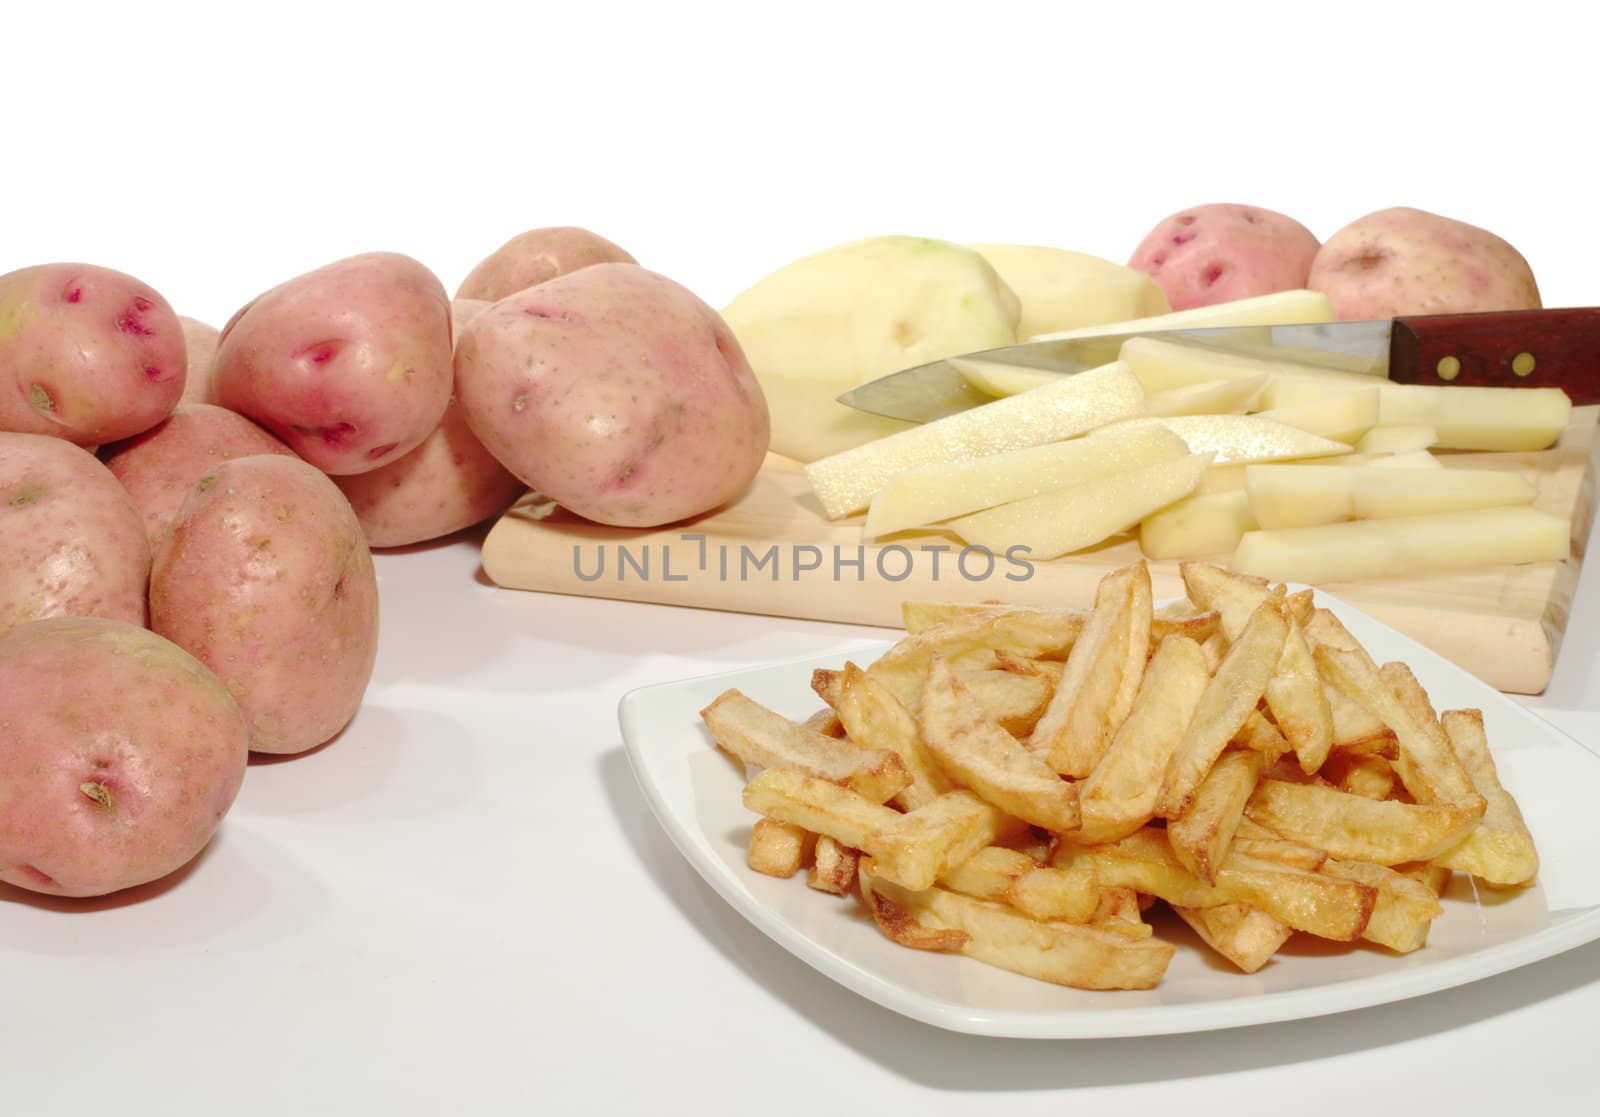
(1522, 364)
(1448, 368)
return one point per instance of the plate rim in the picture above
(1077, 1023)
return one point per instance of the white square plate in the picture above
(694, 791)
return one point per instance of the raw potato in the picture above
(535, 257)
(1408, 261)
(1059, 289)
(1285, 496)
(86, 353)
(828, 322)
(350, 365)
(448, 483)
(200, 349)
(1199, 525)
(1218, 253)
(121, 755)
(616, 393)
(71, 540)
(158, 467)
(266, 579)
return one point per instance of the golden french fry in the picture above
(1354, 727)
(1404, 910)
(1082, 957)
(833, 867)
(1301, 604)
(1431, 873)
(1014, 698)
(1070, 894)
(1363, 774)
(872, 715)
(1202, 834)
(1501, 850)
(1243, 935)
(1215, 647)
(1352, 828)
(1119, 796)
(1075, 729)
(827, 684)
(778, 849)
(1136, 650)
(898, 921)
(1259, 735)
(1235, 597)
(757, 735)
(825, 722)
(969, 640)
(820, 806)
(1228, 700)
(1295, 697)
(1311, 902)
(989, 873)
(916, 848)
(1281, 850)
(978, 754)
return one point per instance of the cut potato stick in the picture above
(846, 482)
(933, 493)
(1209, 397)
(1404, 546)
(757, 735)
(1119, 795)
(1135, 652)
(1244, 936)
(1078, 516)
(778, 849)
(1363, 774)
(1229, 698)
(1500, 851)
(1344, 417)
(978, 754)
(871, 714)
(1075, 728)
(895, 916)
(1291, 496)
(1235, 597)
(917, 848)
(833, 867)
(1083, 957)
(1404, 910)
(1397, 439)
(989, 873)
(1354, 828)
(1199, 524)
(1478, 418)
(1202, 834)
(1069, 894)
(1298, 703)
(969, 640)
(1247, 439)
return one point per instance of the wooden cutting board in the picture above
(774, 553)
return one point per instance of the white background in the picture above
(384, 926)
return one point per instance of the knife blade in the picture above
(1519, 348)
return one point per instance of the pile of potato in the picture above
(187, 516)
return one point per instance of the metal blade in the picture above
(934, 390)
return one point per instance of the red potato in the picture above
(463, 311)
(119, 756)
(349, 365)
(200, 347)
(266, 579)
(448, 483)
(536, 256)
(72, 543)
(1407, 261)
(1217, 253)
(615, 392)
(160, 466)
(86, 354)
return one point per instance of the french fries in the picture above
(1015, 784)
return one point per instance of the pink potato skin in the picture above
(119, 756)
(536, 256)
(72, 543)
(349, 365)
(1220, 252)
(266, 579)
(86, 354)
(1408, 261)
(617, 393)
(159, 466)
(200, 348)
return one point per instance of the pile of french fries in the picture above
(1021, 784)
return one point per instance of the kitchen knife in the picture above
(1538, 348)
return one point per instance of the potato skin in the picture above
(1408, 261)
(158, 467)
(119, 755)
(71, 541)
(1220, 252)
(200, 351)
(537, 256)
(266, 579)
(615, 392)
(349, 365)
(86, 353)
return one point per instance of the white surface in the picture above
(403, 923)
(694, 792)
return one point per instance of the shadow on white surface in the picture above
(953, 1061)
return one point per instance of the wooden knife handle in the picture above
(1518, 348)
